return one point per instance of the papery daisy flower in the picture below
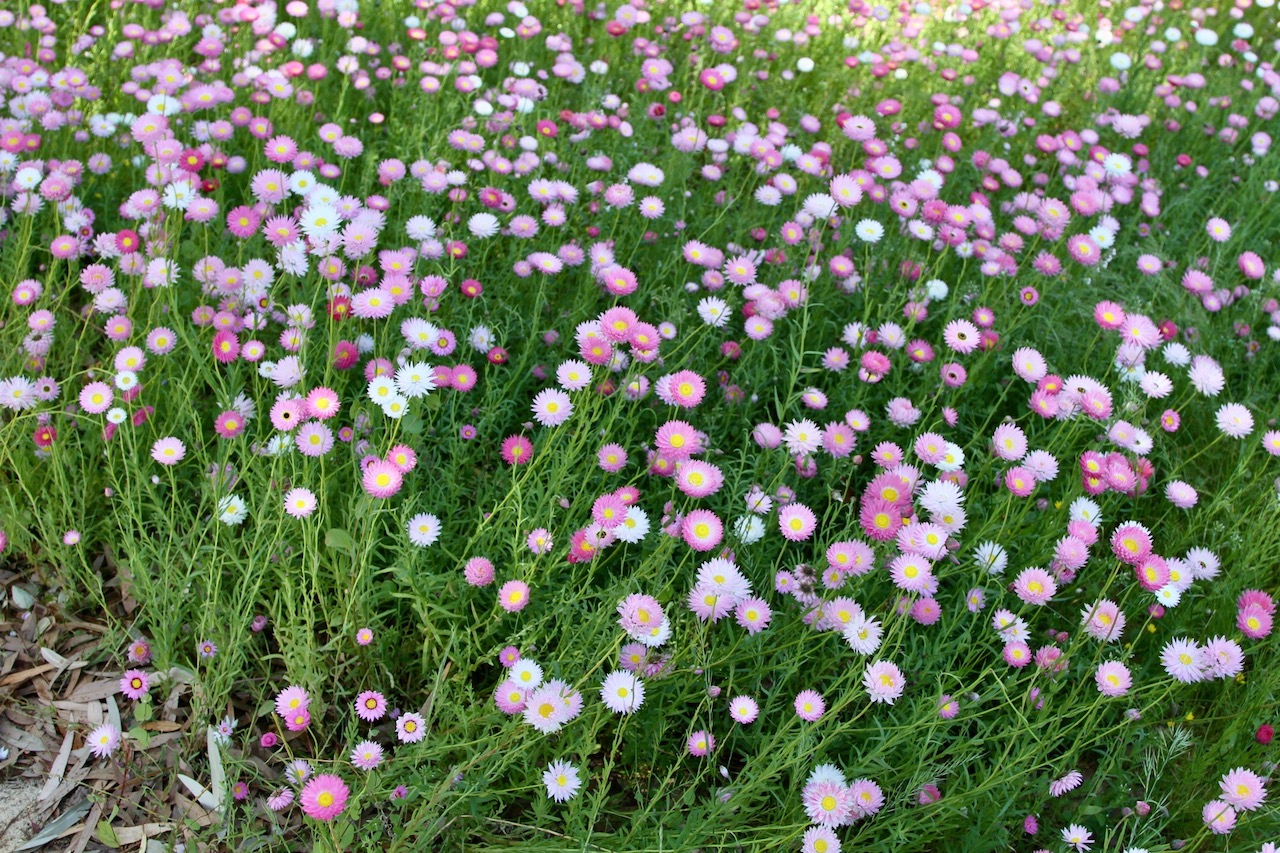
(168, 451)
(424, 529)
(561, 780)
(622, 692)
(753, 614)
(796, 522)
(961, 336)
(324, 797)
(1219, 816)
(367, 755)
(551, 407)
(95, 397)
(1182, 660)
(612, 458)
(1222, 658)
(1113, 679)
(545, 709)
(1065, 784)
(539, 540)
(883, 682)
(299, 502)
(701, 529)
(104, 740)
(677, 440)
(381, 479)
(298, 771)
(410, 728)
(867, 798)
(1104, 620)
(371, 706)
(1243, 789)
(517, 450)
(863, 634)
(802, 437)
(514, 596)
(134, 684)
(232, 510)
(573, 375)
(743, 710)
(1035, 586)
(826, 802)
(810, 706)
(1235, 420)
(280, 800)
(291, 699)
(1078, 837)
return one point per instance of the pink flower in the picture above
(884, 682)
(1035, 586)
(517, 450)
(382, 479)
(371, 706)
(810, 706)
(744, 710)
(702, 530)
(1113, 679)
(513, 596)
(168, 451)
(701, 743)
(135, 683)
(797, 522)
(324, 797)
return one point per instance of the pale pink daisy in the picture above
(883, 681)
(299, 502)
(551, 407)
(1113, 679)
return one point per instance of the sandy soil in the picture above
(17, 801)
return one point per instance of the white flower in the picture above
(622, 692)
(634, 526)
(481, 339)
(1084, 509)
(163, 105)
(1169, 595)
(952, 459)
(380, 389)
(869, 230)
(863, 633)
(424, 529)
(992, 557)
(483, 225)
(749, 529)
(396, 406)
(1176, 354)
(420, 227)
(320, 220)
(232, 510)
(714, 311)
(415, 380)
(301, 182)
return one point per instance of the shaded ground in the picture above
(52, 694)
(17, 811)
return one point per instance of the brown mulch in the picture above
(53, 692)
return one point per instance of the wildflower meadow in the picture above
(700, 425)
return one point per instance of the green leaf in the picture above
(141, 735)
(340, 539)
(142, 710)
(107, 835)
